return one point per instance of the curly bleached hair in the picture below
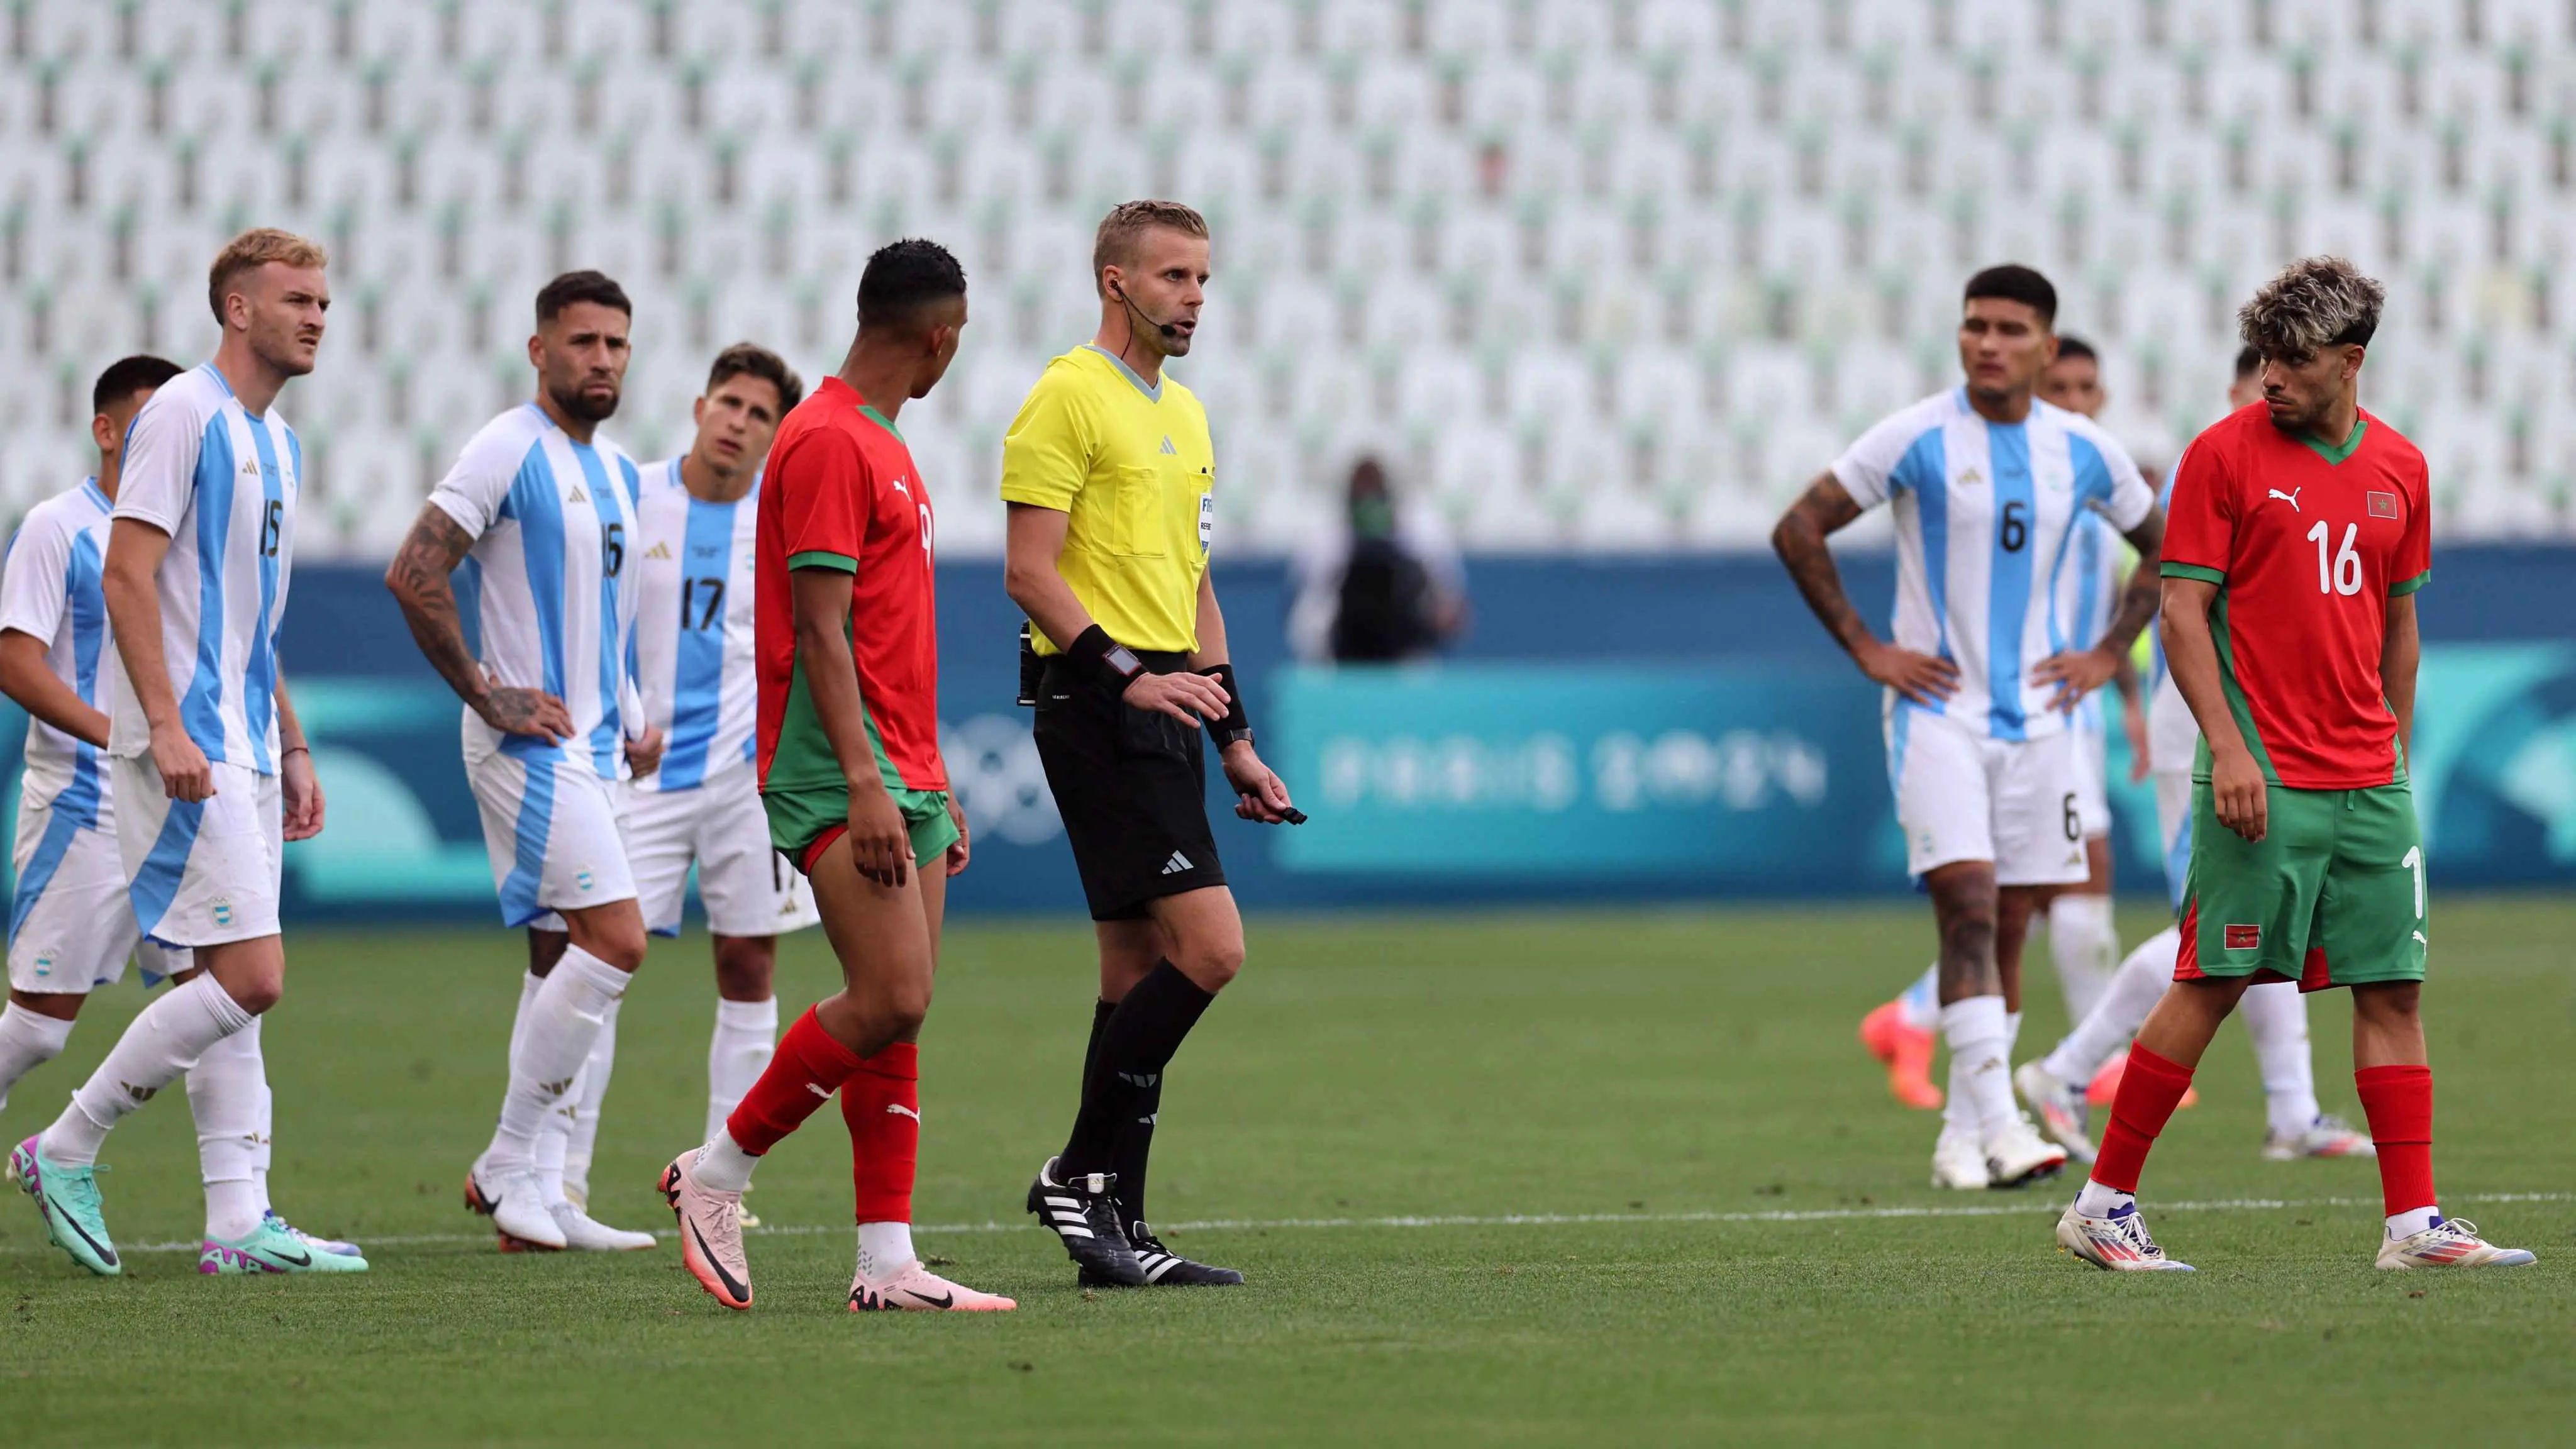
(2316, 302)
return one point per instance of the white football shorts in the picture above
(202, 874)
(2092, 776)
(748, 887)
(1960, 796)
(550, 825)
(71, 924)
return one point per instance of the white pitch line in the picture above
(1516, 1220)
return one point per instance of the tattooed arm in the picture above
(419, 581)
(1800, 541)
(2078, 672)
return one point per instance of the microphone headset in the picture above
(1170, 331)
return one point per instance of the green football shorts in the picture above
(2332, 895)
(803, 822)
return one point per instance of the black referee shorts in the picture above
(1131, 786)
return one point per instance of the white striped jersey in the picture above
(693, 640)
(223, 484)
(2173, 736)
(2093, 586)
(542, 583)
(50, 589)
(1984, 519)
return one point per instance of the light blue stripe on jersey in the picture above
(610, 504)
(259, 685)
(1925, 469)
(519, 903)
(202, 710)
(2008, 589)
(87, 594)
(1896, 732)
(539, 511)
(61, 828)
(697, 685)
(158, 882)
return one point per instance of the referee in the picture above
(1108, 472)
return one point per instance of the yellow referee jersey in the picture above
(1132, 467)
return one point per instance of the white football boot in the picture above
(585, 1234)
(2450, 1243)
(515, 1204)
(2060, 1108)
(1958, 1162)
(2328, 1136)
(2119, 1243)
(2018, 1156)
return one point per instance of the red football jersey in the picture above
(841, 492)
(2308, 545)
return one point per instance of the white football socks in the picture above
(224, 1092)
(28, 1040)
(2096, 1201)
(553, 1042)
(158, 1046)
(2135, 989)
(2276, 1016)
(581, 1123)
(884, 1248)
(746, 1037)
(1980, 1041)
(2412, 1221)
(267, 1139)
(2084, 944)
(722, 1164)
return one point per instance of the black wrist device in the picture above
(1236, 725)
(1112, 663)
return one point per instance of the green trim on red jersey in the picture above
(803, 758)
(2360, 425)
(869, 411)
(2237, 704)
(2191, 571)
(2403, 587)
(823, 558)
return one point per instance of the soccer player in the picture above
(208, 772)
(853, 785)
(2276, 1015)
(1109, 472)
(72, 924)
(693, 546)
(2083, 938)
(2301, 532)
(1986, 482)
(538, 508)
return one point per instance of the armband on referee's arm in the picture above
(1112, 663)
(1236, 725)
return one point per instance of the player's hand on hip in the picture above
(530, 712)
(300, 794)
(2076, 673)
(1922, 678)
(959, 853)
(880, 846)
(2236, 788)
(1186, 697)
(1259, 794)
(185, 775)
(644, 753)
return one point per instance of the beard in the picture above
(579, 404)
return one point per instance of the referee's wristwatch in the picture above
(1236, 727)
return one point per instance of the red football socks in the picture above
(2149, 1091)
(807, 1070)
(882, 1104)
(2399, 1103)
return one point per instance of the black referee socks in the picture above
(1125, 1080)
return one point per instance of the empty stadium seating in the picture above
(1614, 274)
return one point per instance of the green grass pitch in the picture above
(1757, 1258)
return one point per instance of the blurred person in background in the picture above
(1388, 585)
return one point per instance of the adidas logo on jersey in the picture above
(577, 495)
(1971, 478)
(659, 550)
(1167, 445)
(249, 469)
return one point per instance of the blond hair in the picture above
(2315, 302)
(1115, 243)
(254, 249)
